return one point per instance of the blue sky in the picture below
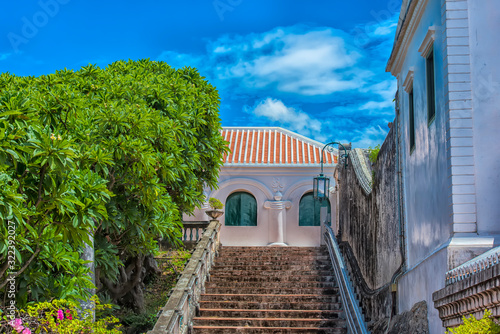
(313, 67)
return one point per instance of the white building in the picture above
(445, 59)
(266, 187)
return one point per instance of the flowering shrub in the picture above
(59, 316)
(471, 325)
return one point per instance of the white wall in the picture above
(259, 181)
(484, 29)
(420, 283)
(426, 184)
(439, 168)
(425, 174)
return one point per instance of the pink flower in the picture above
(68, 315)
(26, 331)
(17, 324)
(60, 315)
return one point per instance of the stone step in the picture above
(271, 248)
(334, 304)
(261, 298)
(271, 291)
(264, 313)
(279, 266)
(265, 284)
(272, 257)
(272, 251)
(222, 277)
(267, 330)
(270, 273)
(268, 322)
(272, 262)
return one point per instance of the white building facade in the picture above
(445, 59)
(266, 187)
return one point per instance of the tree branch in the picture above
(40, 184)
(4, 267)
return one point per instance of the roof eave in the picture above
(404, 20)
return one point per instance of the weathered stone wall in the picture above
(369, 229)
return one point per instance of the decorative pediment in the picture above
(426, 45)
(408, 82)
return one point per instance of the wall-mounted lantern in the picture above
(321, 183)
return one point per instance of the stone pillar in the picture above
(277, 219)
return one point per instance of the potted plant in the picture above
(216, 206)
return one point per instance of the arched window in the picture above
(310, 210)
(241, 210)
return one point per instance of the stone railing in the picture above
(471, 288)
(353, 313)
(192, 232)
(176, 316)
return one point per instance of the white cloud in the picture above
(294, 119)
(369, 136)
(326, 83)
(298, 59)
(385, 29)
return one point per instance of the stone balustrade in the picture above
(192, 232)
(471, 288)
(176, 316)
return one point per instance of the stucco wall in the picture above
(262, 183)
(484, 25)
(425, 170)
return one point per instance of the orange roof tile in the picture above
(269, 146)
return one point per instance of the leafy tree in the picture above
(132, 146)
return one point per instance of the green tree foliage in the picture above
(119, 152)
(486, 325)
(373, 153)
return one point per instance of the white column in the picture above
(277, 219)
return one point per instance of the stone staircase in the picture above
(271, 290)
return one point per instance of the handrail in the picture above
(176, 316)
(354, 316)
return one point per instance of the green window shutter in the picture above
(241, 210)
(310, 210)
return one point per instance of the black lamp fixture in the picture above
(321, 183)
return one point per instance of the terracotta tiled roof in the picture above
(273, 146)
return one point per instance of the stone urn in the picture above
(214, 214)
